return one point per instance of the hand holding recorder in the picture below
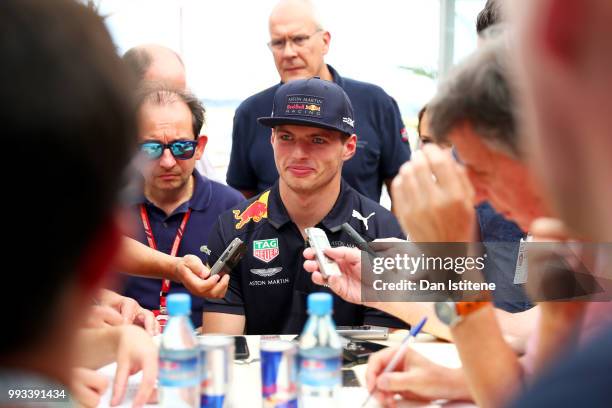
(346, 284)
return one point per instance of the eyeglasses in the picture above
(297, 41)
(180, 149)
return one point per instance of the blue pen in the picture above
(399, 354)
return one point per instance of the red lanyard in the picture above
(161, 314)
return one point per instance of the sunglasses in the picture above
(180, 149)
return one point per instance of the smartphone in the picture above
(229, 258)
(319, 242)
(349, 379)
(358, 239)
(364, 332)
(242, 348)
(358, 352)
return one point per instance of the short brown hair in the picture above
(159, 93)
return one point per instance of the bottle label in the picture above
(179, 368)
(320, 371)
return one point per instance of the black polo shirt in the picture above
(382, 142)
(269, 286)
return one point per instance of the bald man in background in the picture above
(152, 62)
(299, 43)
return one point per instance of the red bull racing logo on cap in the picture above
(304, 105)
(256, 211)
(313, 108)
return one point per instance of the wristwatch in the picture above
(451, 313)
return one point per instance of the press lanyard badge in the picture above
(520, 273)
(162, 314)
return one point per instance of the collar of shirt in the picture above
(339, 214)
(337, 79)
(199, 201)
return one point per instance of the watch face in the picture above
(446, 312)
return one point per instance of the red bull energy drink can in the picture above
(217, 356)
(278, 373)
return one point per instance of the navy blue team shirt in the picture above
(208, 201)
(382, 142)
(269, 286)
(501, 239)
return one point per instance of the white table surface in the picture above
(247, 378)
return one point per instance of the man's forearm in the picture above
(457, 387)
(492, 369)
(518, 327)
(138, 259)
(226, 323)
(559, 330)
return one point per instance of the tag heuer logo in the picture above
(266, 249)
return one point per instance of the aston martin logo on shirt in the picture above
(266, 273)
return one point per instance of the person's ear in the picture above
(349, 147)
(563, 28)
(99, 255)
(326, 40)
(202, 140)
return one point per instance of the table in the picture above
(248, 375)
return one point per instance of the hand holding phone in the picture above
(229, 258)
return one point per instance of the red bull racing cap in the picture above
(312, 102)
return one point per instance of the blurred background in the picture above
(404, 46)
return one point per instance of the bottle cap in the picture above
(179, 304)
(320, 303)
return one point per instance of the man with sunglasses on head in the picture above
(178, 205)
(299, 43)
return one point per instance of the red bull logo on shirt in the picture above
(256, 211)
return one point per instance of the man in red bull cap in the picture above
(313, 135)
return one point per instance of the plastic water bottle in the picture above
(179, 357)
(320, 376)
